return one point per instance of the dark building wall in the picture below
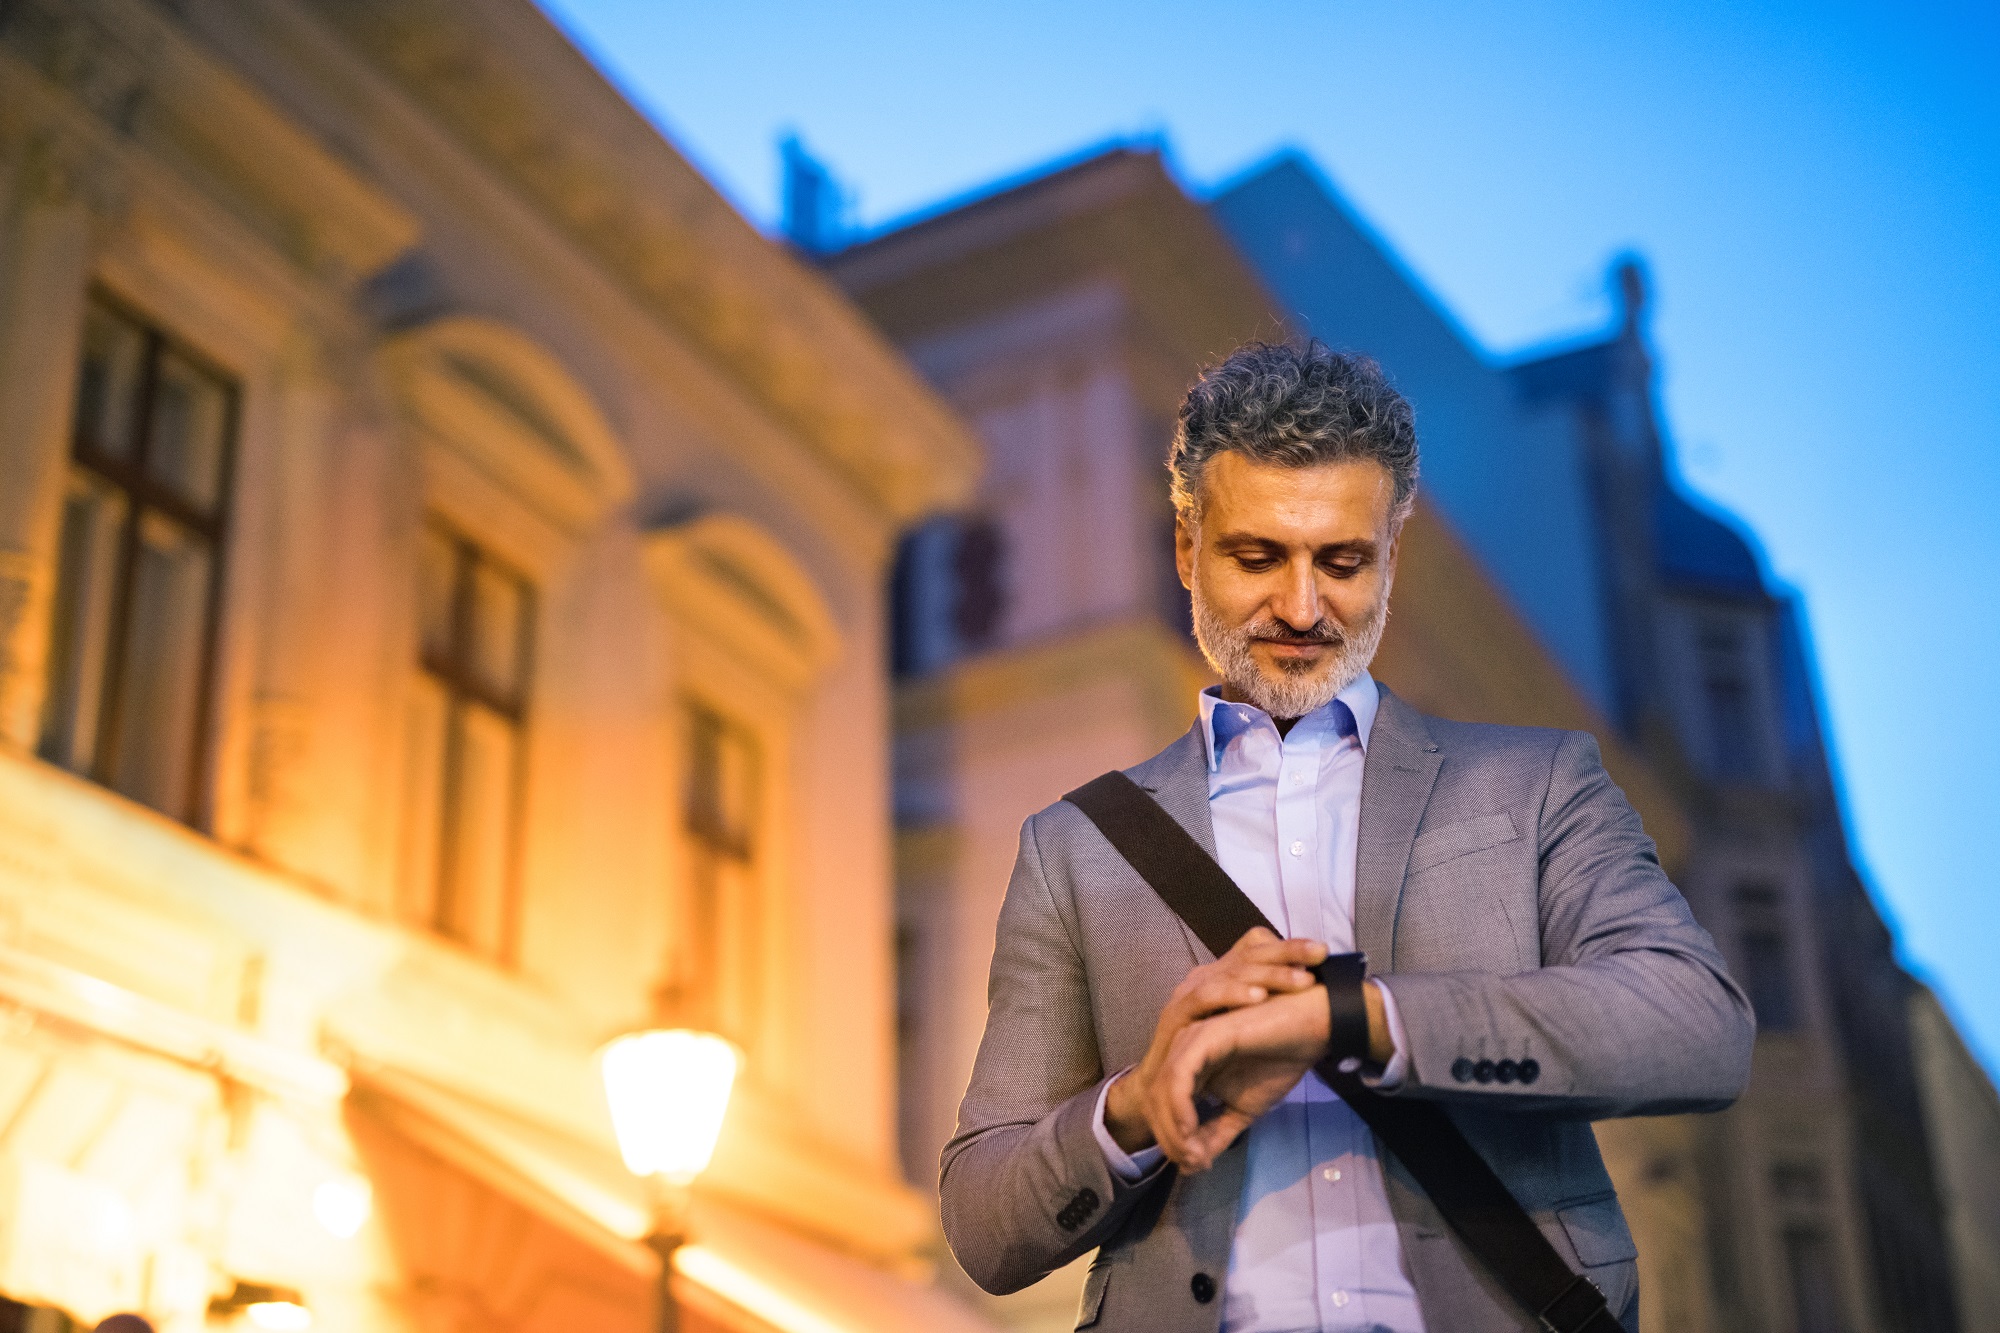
(1556, 471)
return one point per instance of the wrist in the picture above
(1124, 1118)
(1381, 1042)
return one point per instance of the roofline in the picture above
(636, 205)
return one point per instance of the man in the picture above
(1531, 967)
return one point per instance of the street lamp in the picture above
(668, 1091)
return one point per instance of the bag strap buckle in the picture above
(1578, 1308)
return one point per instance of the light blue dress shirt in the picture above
(1316, 1249)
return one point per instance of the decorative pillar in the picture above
(292, 500)
(47, 238)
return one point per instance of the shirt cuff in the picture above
(1392, 1073)
(1128, 1167)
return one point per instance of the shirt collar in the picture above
(1351, 712)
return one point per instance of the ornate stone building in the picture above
(442, 567)
(1042, 636)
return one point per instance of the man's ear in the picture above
(1185, 537)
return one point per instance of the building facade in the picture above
(1042, 635)
(442, 623)
(1824, 1184)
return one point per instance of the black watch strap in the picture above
(1347, 1035)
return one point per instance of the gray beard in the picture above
(1299, 687)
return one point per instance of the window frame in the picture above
(458, 678)
(720, 977)
(142, 493)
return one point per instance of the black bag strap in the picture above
(1473, 1200)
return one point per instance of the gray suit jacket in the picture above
(1506, 884)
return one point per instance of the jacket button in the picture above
(1203, 1287)
(1483, 1072)
(1530, 1071)
(1506, 1071)
(1461, 1069)
(1078, 1210)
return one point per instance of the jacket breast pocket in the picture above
(1463, 837)
(1603, 1246)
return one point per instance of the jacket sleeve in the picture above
(1632, 1011)
(1024, 1186)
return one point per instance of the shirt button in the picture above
(1331, 1173)
(1298, 779)
(1298, 849)
(1339, 1298)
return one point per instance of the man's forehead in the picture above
(1248, 495)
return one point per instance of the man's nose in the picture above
(1297, 604)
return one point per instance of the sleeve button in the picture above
(1483, 1072)
(1506, 1071)
(1530, 1071)
(1461, 1069)
(1203, 1288)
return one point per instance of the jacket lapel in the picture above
(1177, 777)
(1396, 780)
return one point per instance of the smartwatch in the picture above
(1347, 1034)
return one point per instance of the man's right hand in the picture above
(1259, 966)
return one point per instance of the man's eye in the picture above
(1255, 564)
(1343, 569)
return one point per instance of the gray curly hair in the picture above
(1294, 404)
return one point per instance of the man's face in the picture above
(1290, 569)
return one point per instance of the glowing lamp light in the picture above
(278, 1309)
(279, 1316)
(343, 1205)
(668, 1091)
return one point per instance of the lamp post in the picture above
(668, 1090)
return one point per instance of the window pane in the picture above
(736, 950)
(437, 583)
(701, 971)
(86, 585)
(1797, 1183)
(152, 753)
(107, 391)
(190, 423)
(720, 973)
(1768, 979)
(722, 782)
(1815, 1294)
(474, 909)
(1732, 734)
(499, 622)
(425, 714)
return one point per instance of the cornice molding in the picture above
(737, 583)
(511, 88)
(513, 410)
(139, 80)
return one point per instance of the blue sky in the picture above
(1815, 187)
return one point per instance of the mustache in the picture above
(1277, 631)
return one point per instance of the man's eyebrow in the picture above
(1363, 546)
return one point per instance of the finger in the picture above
(1274, 974)
(1211, 1139)
(1278, 978)
(1255, 937)
(1270, 949)
(1217, 996)
(1196, 1050)
(1235, 990)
